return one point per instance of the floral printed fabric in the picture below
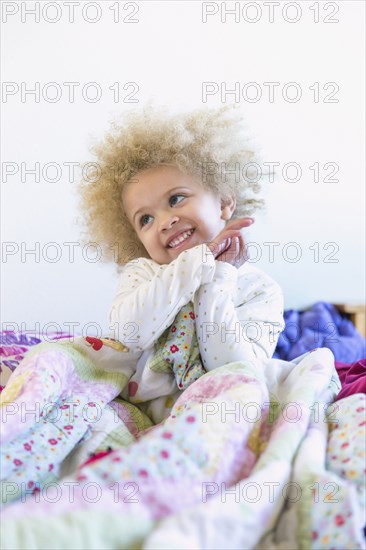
(52, 401)
(50, 378)
(56, 374)
(215, 472)
(177, 350)
(338, 524)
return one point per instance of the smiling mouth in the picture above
(181, 239)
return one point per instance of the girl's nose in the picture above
(168, 221)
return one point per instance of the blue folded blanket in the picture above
(320, 326)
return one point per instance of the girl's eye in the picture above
(143, 219)
(174, 196)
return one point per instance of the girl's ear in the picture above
(228, 205)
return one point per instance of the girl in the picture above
(169, 196)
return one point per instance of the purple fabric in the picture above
(321, 326)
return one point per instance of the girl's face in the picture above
(171, 212)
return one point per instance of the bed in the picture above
(264, 457)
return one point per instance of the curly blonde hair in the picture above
(207, 143)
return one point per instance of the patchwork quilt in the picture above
(253, 455)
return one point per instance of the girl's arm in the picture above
(247, 330)
(150, 295)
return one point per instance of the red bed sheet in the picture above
(352, 377)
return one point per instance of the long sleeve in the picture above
(239, 315)
(150, 295)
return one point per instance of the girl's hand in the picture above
(229, 244)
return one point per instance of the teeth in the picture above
(180, 239)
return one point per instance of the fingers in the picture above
(230, 251)
(221, 247)
(223, 241)
(235, 254)
(229, 233)
(239, 223)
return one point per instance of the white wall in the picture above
(169, 53)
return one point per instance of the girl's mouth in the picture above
(180, 241)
